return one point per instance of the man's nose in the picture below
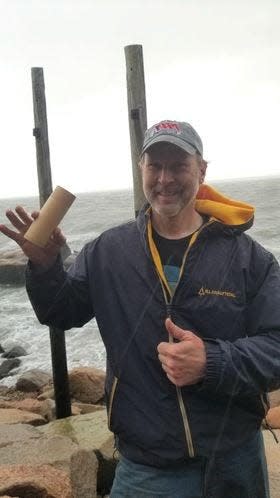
(165, 176)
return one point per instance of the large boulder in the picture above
(91, 433)
(82, 446)
(34, 482)
(15, 416)
(273, 417)
(14, 352)
(54, 450)
(7, 366)
(33, 380)
(13, 264)
(274, 398)
(87, 384)
(10, 434)
(83, 474)
(45, 408)
(12, 267)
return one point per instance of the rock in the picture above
(75, 410)
(12, 394)
(274, 398)
(6, 496)
(56, 442)
(87, 407)
(273, 417)
(52, 450)
(10, 434)
(45, 408)
(16, 256)
(87, 384)
(13, 264)
(32, 380)
(7, 366)
(14, 352)
(12, 267)
(34, 482)
(273, 459)
(90, 432)
(83, 474)
(3, 390)
(46, 394)
(1, 349)
(14, 416)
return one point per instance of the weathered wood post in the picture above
(137, 115)
(57, 336)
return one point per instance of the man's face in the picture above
(171, 178)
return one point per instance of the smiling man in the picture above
(188, 308)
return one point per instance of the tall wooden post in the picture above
(57, 336)
(137, 115)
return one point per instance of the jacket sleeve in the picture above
(251, 364)
(59, 298)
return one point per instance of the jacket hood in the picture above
(235, 214)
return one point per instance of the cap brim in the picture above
(172, 140)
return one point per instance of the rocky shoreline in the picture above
(44, 457)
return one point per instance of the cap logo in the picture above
(167, 125)
(178, 133)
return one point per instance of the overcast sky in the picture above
(214, 63)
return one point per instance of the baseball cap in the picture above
(175, 132)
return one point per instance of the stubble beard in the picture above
(174, 208)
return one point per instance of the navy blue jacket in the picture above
(228, 294)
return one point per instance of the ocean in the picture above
(91, 214)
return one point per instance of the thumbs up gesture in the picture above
(185, 361)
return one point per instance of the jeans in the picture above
(240, 473)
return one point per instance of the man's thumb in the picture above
(175, 331)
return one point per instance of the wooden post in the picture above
(57, 336)
(137, 115)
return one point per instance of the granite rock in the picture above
(87, 384)
(33, 380)
(34, 482)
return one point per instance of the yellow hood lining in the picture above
(229, 211)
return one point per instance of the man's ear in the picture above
(141, 162)
(203, 168)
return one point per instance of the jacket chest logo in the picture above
(203, 291)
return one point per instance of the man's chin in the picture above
(167, 210)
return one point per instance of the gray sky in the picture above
(214, 63)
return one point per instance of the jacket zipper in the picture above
(168, 302)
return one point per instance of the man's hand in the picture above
(21, 220)
(184, 362)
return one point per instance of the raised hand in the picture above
(184, 362)
(21, 220)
